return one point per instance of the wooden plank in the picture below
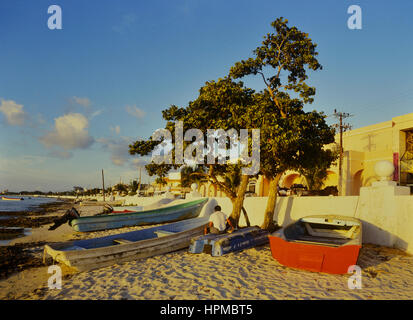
(322, 239)
(316, 243)
(326, 233)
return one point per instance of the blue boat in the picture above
(220, 244)
(178, 212)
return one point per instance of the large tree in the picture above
(288, 134)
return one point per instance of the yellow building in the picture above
(391, 140)
(173, 184)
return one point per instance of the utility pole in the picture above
(103, 185)
(341, 128)
(140, 177)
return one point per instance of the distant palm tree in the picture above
(121, 188)
(188, 177)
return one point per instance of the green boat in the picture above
(178, 212)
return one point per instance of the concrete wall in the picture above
(289, 209)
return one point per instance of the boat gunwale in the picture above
(135, 213)
(356, 239)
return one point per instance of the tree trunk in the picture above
(247, 220)
(268, 223)
(239, 200)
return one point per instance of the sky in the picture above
(73, 99)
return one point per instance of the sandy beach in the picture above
(251, 274)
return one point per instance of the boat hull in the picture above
(119, 220)
(314, 258)
(11, 199)
(332, 248)
(219, 245)
(82, 255)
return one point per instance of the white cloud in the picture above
(118, 148)
(14, 112)
(135, 111)
(96, 113)
(60, 154)
(82, 101)
(70, 132)
(119, 152)
(140, 162)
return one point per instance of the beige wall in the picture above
(363, 148)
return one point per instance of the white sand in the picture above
(250, 274)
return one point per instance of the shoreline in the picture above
(35, 217)
(16, 255)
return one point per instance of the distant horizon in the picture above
(73, 99)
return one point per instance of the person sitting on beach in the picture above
(218, 222)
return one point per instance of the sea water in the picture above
(28, 203)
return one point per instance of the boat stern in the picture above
(316, 258)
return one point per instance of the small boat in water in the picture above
(321, 243)
(104, 251)
(11, 199)
(186, 210)
(220, 244)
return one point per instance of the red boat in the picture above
(324, 243)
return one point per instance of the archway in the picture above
(202, 190)
(357, 182)
(291, 179)
(252, 186)
(212, 191)
(331, 180)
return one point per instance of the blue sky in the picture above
(71, 100)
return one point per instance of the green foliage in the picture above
(288, 50)
(222, 104)
(161, 181)
(290, 137)
(191, 175)
(317, 173)
(133, 186)
(121, 188)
